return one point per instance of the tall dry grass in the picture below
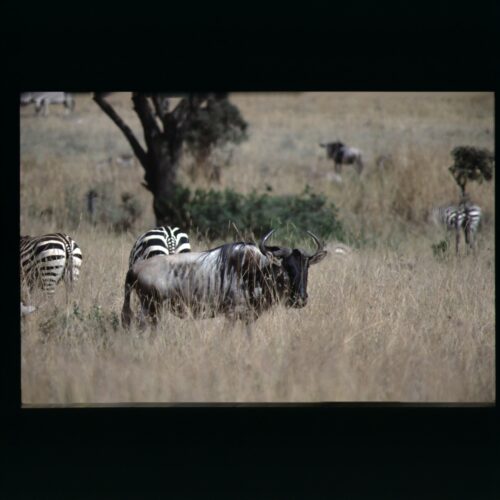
(388, 322)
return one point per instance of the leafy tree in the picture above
(471, 164)
(165, 133)
(214, 125)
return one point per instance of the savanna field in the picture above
(389, 321)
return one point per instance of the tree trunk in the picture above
(161, 158)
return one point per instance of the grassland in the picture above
(388, 322)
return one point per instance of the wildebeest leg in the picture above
(338, 168)
(143, 312)
(359, 166)
(153, 312)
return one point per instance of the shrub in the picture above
(440, 250)
(215, 214)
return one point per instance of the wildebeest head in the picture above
(292, 266)
(334, 150)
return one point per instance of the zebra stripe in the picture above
(159, 241)
(45, 260)
(459, 216)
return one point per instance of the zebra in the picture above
(48, 259)
(162, 240)
(43, 99)
(462, 217)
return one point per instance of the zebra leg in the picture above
(457, 239)
(25, 310)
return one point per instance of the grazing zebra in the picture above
(43, 99)
(159, 241)
(47, 259)
(343, 155)
(464, 217)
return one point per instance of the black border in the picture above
(308, 449)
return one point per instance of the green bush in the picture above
(440, 250)
(216, 214)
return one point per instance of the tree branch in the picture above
(161, 105)
(127, 131)
(146, 116)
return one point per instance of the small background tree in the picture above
(212, 126)
(471, 164)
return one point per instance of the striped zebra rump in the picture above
(159, 241)
(465, 216)
(46, 260)
(462, 217)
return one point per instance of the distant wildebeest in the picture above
(343, 155)
(464, 217)
(43, 99)
(239, 280)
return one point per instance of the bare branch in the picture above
(127, 131)
(161, 105)
(181, 111)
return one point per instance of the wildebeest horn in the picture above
(321, 246)
(280, 252)
(262, 242)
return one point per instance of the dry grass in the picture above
(387, 322)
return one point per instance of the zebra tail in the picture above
(126, 309)
(68, 272)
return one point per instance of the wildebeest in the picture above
(239, 280)
(343, 155)
(43, 99)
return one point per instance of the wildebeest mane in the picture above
(243, 261)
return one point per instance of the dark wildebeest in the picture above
(239, 280)
(343, 155)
